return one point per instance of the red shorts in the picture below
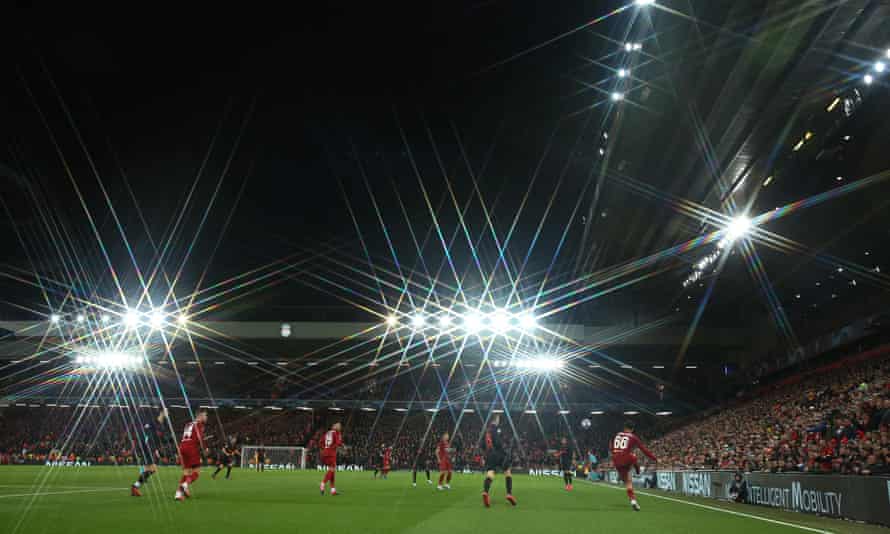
(445, 465)
(329, 459)
(623, 464)
(190, 458)
(386, 466)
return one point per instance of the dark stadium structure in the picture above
(411, 218)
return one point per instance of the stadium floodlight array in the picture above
(531, 364)
(108, 360)
(156, 319)
(498, 322)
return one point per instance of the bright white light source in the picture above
(663, 413)
(445, 321)
(55, 318)
(839, 178)
(738, 227)
(539, 364)
(418, 321)
(182, 319)
(564, 412)
(473, 322)
(500, 321)
(106, 318)
(868, 79)
(637, 46)
(628, 46)
(156, 319)
(622, 73)
(632, 412)
(392, 320)
(597, 412)
(81, 318)
(131, 319)
(880, 66)
(528, 321)
(617, 97)
(644, 2)
(285, 330)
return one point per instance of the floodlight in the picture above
(182, 319)
(539, 364)
(131, 319)
(55, 318)
(445, 321)
(617, 97)
(637, 46)
(880, 66)
(868, 79)
(80, 318)
(527, 321)
(106, 318)
(472, 322)
(156, 319)
(500, 321)
(628, 46)
(622, 73)
(738, 227)
(418, 321)
(392, 320)
(644, 2)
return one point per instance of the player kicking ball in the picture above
(445, 467)
(190, 455)
(331, 441)
(147, 441)
(227, 459)
(623, 459)
(496, 458)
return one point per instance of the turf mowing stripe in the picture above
(41, 494)
(732, 512)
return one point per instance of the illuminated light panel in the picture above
(401, 410)
(798, 146)
(368, 409)
(880, 66)
(663, 413)
(468, 410)
(834, 103)
(631, 412)
(868, 79)
(658, 367)
(643, 3)
(432, 410)
(497, 411)
(769, 180)
(539, 364)
(564, 412)
(692, 367)
(616, 96)
(530, 412)
(335, 409)
(623, 73)
(55, 318)
(625, 366)
(276, 408)
(239, 407)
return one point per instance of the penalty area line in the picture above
(724, 510)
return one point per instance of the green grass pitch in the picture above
(96, 500)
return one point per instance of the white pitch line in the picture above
(41, 494)
(724, 510)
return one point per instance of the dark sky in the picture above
(297, 122)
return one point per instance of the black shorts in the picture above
(497, 461)
(227, 461)
(566, 465)
(146, 452)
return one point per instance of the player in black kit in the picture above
(566, 463)
(147, 440)
(496, 459)
(226, 459)
(422, 461)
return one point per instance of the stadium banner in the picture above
(544, 473)
(350, 467)
(859, 498)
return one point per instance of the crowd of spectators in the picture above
(833, 419)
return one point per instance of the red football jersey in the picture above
(192, 436)
(331, 441)
(626, 442)
(442, 451)
(387, 455)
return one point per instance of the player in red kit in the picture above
(330, 442)
(190, 454)
(445, 467)
(623, 458)
(387, 461)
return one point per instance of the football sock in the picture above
(448, 478)
(569, 476)
(332, 478)
(487, 484)
(427, 475)
(218, 469)
(194, 477)
(375, 473)
(143, 478)
(183, 480)
(441, 478)
(414, 474)
(509, 480)
(630, 494)
(228, 471)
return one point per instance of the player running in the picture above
(378, 461)
(445, 467)
(330, 442)
(496, 458)
(147, 442)
(566, 463)
(190, 454)
(623, 458)
(227, 459)
(422, 461)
